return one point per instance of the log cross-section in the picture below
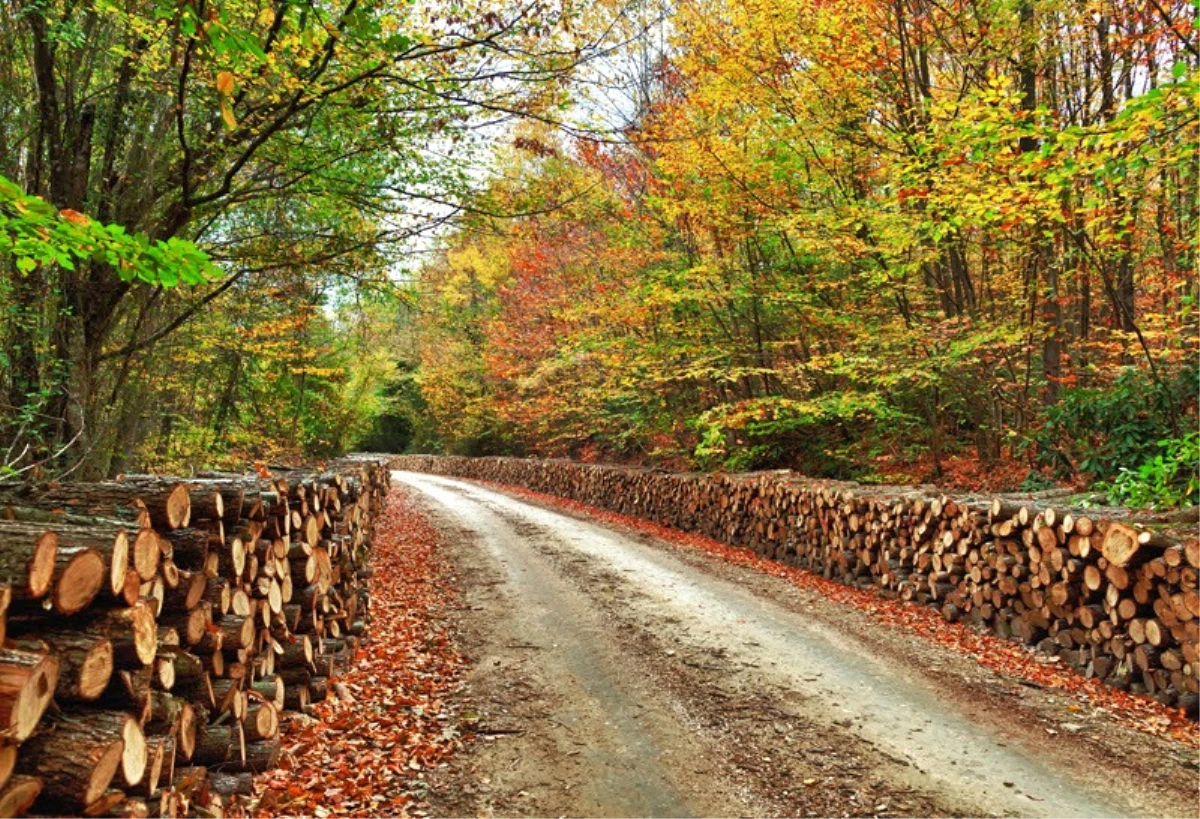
(27, 682)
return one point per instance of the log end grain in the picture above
(42, 560)
(89, 667)
(135, 756)
(79, 582)
(178, 507)
(8, 762)
(18, 795)
(185, 731)
(27, 683)
(146, 554)
(1120, 544)
(118, 565)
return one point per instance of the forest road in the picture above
(616, 675)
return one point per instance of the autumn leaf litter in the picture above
(366, 754)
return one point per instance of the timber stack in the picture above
(1112, 594)
(154, 630)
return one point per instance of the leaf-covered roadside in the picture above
(367, 755)
(1009, 659)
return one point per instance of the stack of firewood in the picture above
(155, 629)
(1110, 593)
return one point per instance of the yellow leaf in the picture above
(225, 82)
(227, 114)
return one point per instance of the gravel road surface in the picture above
(617, 675)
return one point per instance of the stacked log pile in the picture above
(155, 630)
(1110, 594)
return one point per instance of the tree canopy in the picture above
(891, 240)
(883, 240)
(277, 158)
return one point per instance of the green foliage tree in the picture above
(225, 146)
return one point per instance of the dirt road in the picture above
(616, 675)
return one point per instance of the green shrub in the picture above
(819, 436)
(1171, 478)
(1100, 431)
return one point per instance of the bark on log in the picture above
(156, 502)
(260, 757)
(133, 632)
(76, 765)
(85, 662)
(232, 784)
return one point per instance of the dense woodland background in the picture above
(887, 240)
(882, 240)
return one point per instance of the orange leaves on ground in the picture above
(1013, 660)
(367, 756)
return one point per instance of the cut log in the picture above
(85, 662)
(27, 682)
(8, 762)
(108, 539)
(271, 689)
(174, 716)
(133, 632)
(218, 744)
(228, 598)
(260, 757)
(297, 653)
(18, 795)
(296, 696)
(107, 801)
(79, 575)
(189, 547)
(236, 632)
(1120, 544)
(164, 669)
(189, 669)
(152, 502)
(187, 592)
(133, 753)
(76, 765)
(27, 560)
(1191, 552)
(158, 748)
(262, 721)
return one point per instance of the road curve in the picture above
(595, 606)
